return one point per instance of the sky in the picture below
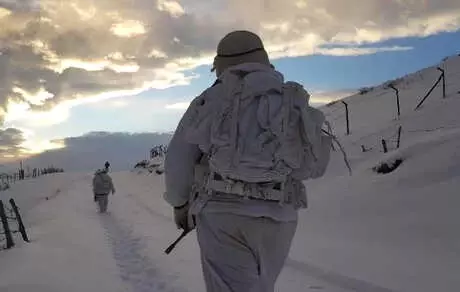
(77, 66)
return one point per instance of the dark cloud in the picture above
(10, 141)
(90, 151)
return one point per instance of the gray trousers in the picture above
(241, 253)
(103, 201)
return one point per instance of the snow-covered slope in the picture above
(68, 249)
(32, 192)
(398, 230)
(367, 232)
(153, 165)
(375, 113)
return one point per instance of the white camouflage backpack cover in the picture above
(257, 129)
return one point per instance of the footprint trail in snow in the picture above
(136, 269)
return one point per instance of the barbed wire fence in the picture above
(384, 143)
(393, 142)
(340, 110)
(10, 178)
(442, 78)
(10, 215)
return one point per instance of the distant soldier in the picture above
(102, 187)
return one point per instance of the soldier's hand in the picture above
(181, 216)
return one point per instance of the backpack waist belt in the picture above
(255, 191)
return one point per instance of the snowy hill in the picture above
(376, 112)
(397, 230)
(153, 165)
(369, 232)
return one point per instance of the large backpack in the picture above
(259, 130)
(102, 183)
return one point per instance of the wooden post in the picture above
(384, 144)
(399, 137)
(347, 117)
(22, 229)
(6, 227)
(20, 171)
(397, 98)
(443, 76)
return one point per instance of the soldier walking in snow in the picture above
(235, 166)
(102, 187)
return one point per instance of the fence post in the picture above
(397, 98)
(6, 227)
(384, 144)
(347, 117)
(20, 170)
(399, 137)
(22, 229)
(443, 76)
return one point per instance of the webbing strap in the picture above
(239, 54)
(240, 189)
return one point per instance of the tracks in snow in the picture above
(137, 269)
(143, 275)
(337, 280)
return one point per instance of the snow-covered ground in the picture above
(367, 232)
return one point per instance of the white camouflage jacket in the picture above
(180, 162)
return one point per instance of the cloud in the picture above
(56, 54)
(90, 151)
(296, 28)
(118, 103)
(10, 142)
(357, 51)
(33, 145)
(19, 143)
(20, 112)
(178, 106)
(82, 49)
(319, 98)
(172, 7)
(128, 28)
(114, 103)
